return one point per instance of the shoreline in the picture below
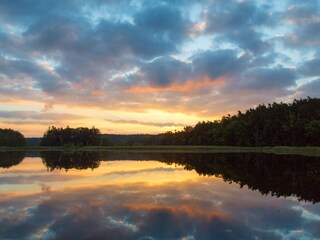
(307, 151)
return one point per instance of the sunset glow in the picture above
(151, 66)
(108, 173)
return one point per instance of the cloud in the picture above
(25, 115)
(249, 40)
(159, 169)
(187, 57)
(223, 16)
(163, 19)
(19, 179)
(32, 122)
(236, 22)
(18, 70)
(164, 71)
(45, 187)
(311, 88)
(269, 78)
(311, 67)
(15, 68)
(304, 19)
(160, 124)
(218, 63)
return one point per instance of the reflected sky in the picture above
(142, 199)
(32, 175)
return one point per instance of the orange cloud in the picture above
(98, 93)
(188, 86)
(190, 211)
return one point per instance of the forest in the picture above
(11, 138)
(276, 124)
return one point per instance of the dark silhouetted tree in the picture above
(71, 136)
(11, 138)
(296, 124)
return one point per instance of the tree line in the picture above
(11, 138)
(294, 124)
(276, 124)
(81, 136)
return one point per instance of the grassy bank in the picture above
(308, 151)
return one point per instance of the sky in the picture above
(144, 66)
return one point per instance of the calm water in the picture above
(89, 195)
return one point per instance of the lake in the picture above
(123, 195)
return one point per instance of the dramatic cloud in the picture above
(305, 21)
(236, 22)
(310, 88)
(311, 67)
(218, 63)
(191, 58)
(266, 78)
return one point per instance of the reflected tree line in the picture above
(10, 159)
(67, 160)
(276, 175)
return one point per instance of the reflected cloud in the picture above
(22, 179)
(112, 202)
(160, 169)
(199, 210)
(261, 172)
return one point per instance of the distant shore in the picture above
(307, 151)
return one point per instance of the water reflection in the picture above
(195, 207)
(184, 210)
(9, 159)
(68, 160)
(277, 175)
